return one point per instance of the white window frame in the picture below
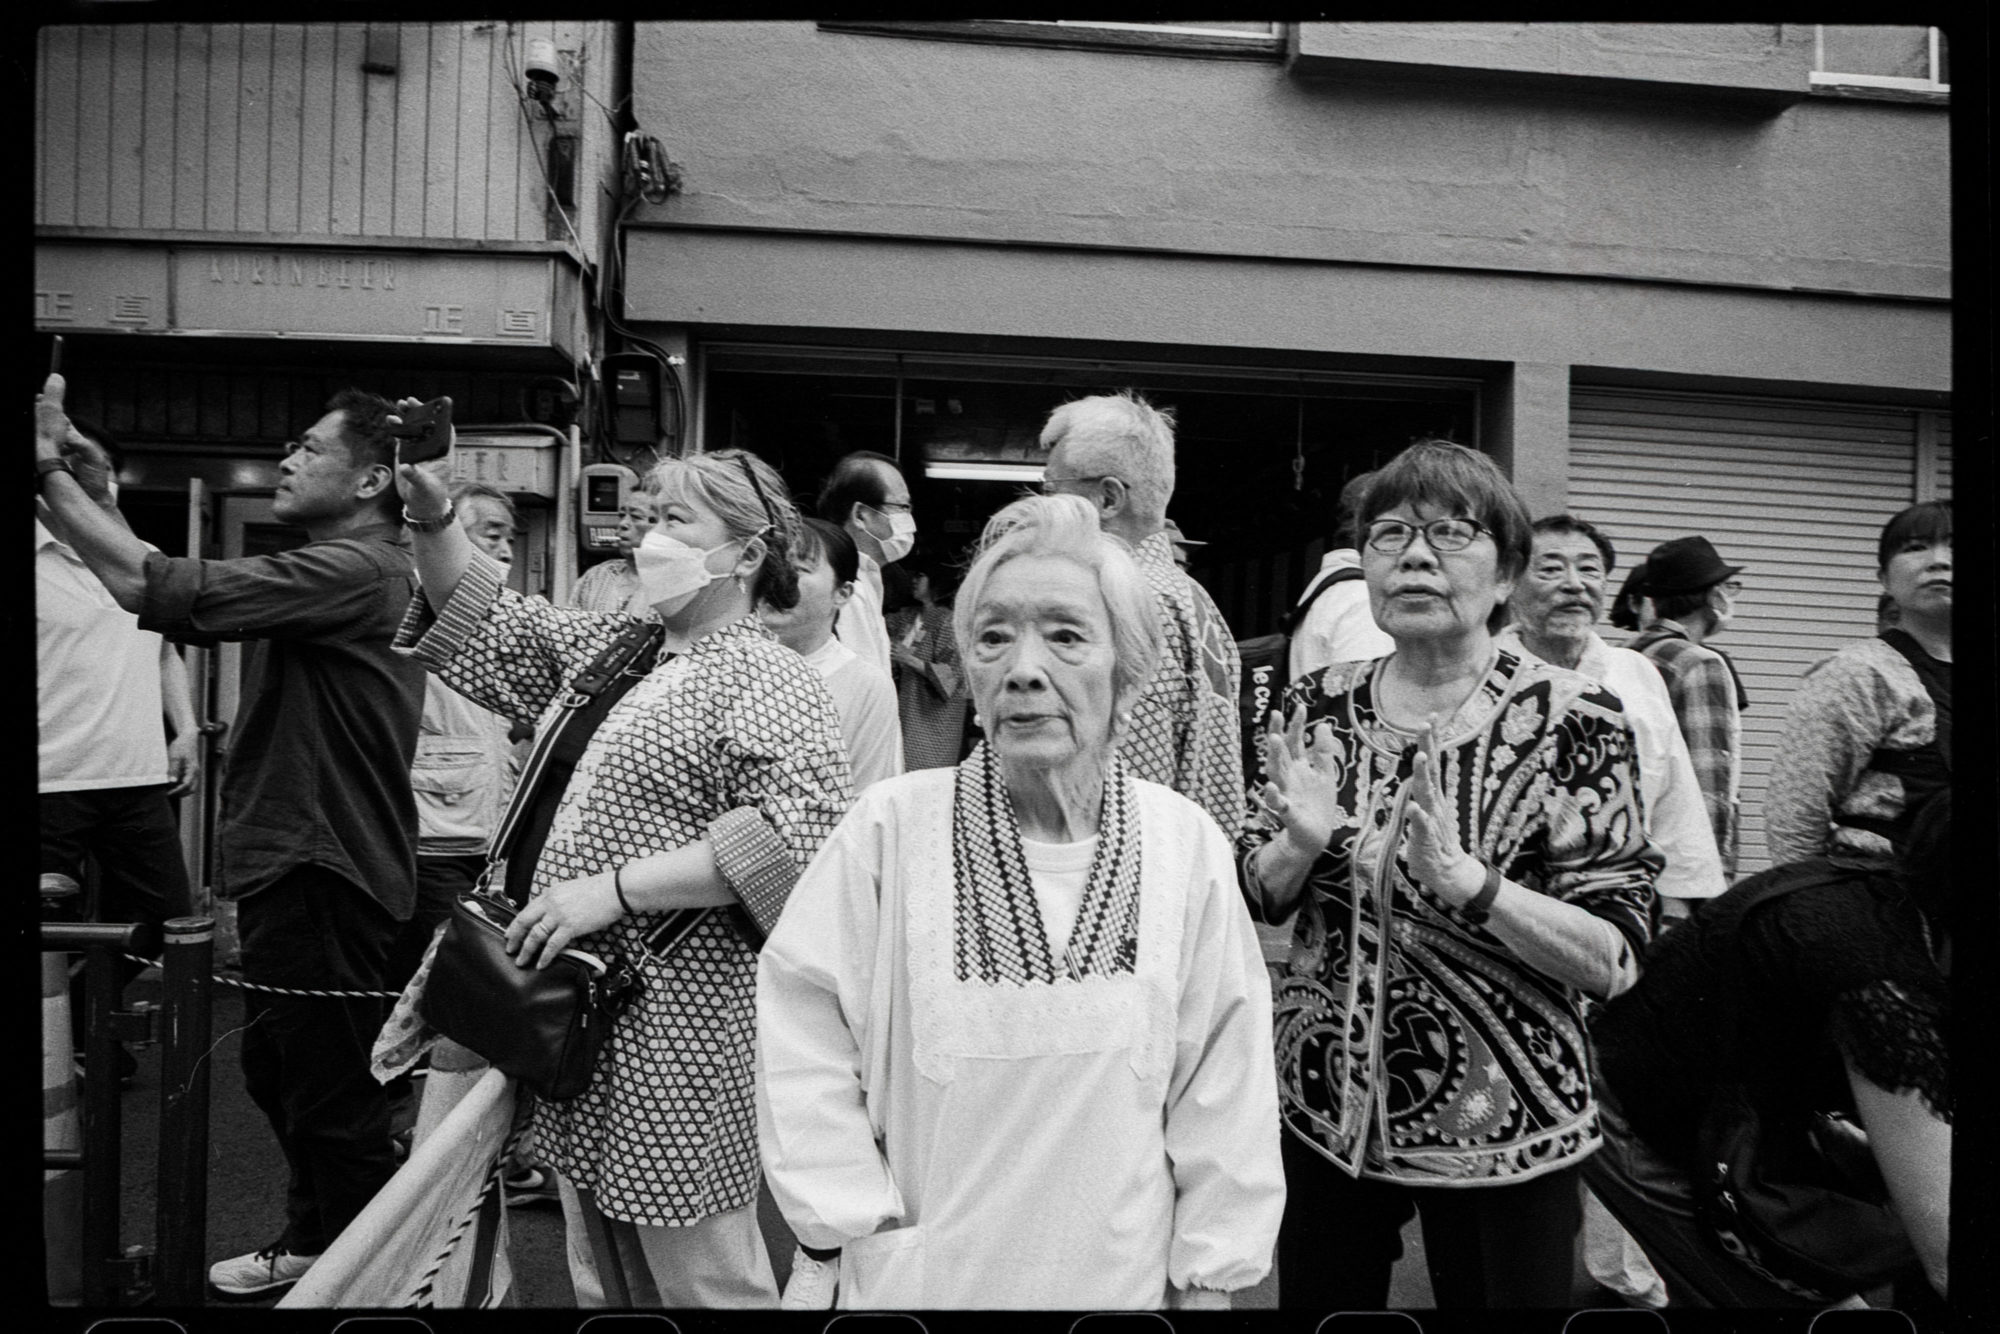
(1831, 81)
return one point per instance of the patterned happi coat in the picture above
(735, 741)
(1185, 733)
(1413, 1046)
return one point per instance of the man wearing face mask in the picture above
(866, 495)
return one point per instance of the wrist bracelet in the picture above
(618, 888)
(437, 525)
(1475, 911)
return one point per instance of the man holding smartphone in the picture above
(318, 824)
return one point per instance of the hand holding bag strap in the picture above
(518, 840)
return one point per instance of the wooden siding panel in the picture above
(317, 145)
(125, 155)
(287, 154)
(94, 145)
(224, 127)
(412, 89)
(504, 146)
(444, 51)
(254, 186)
(1794, 492)
(349, 129)
(474, 131)
(378, 141)
(191, 149)
(161, 76)
(56, 82)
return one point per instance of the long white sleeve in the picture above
(816, 970)
(1222, 1129)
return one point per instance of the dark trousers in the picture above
(305, 1058)
(129, 835)
(440, 880)
(1486, 1246)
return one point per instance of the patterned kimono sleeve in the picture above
(508, 653)
(1259, 825)
(1599, 857)
(784, 783)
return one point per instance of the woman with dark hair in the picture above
(1869, 732)
(1816, 987)
(1458, 831)
(862, 692)
(709, 784)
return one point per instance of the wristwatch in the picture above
(43, 467)
(437, 525)
(1474, 912)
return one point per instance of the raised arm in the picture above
(80, 501)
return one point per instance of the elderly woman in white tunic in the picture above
(1014, 1024)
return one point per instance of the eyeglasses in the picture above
(1733, 587)
(1049, 484)
(1390, 536)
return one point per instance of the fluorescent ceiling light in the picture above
(1028, 473)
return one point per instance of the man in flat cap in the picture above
(1685, 593)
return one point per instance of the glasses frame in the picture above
(1369, 542)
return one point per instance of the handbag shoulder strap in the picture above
(591, 696)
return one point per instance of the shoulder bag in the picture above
(543, 1026)
(1794, 1196)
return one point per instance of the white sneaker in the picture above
(812, 1284)
(258, 1273)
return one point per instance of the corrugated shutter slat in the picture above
(1794, 491)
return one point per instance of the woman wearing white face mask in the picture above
(867, 496)
(710, 783)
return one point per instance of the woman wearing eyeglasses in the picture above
(1459, 835)
(710, 784)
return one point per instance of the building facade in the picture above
(1674, 278)
(232, 221)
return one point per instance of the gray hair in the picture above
(1120, 435)
(741, 490)
(1066, 526)
(462, 491)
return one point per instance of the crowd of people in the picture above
(976, 875)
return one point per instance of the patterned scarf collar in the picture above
(998, 935)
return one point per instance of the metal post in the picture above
(101, 1126)
(182, 1226)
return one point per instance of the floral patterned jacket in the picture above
(1412, 1046)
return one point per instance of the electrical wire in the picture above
(548, 182)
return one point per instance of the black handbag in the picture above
(1795, 1196)
(543, 1026)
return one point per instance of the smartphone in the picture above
(425, 431)
(55, 355)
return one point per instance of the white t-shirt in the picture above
(1058, 872)
(860, 625)
(97, 680)
(865, 699)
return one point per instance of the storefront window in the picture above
(1260, 461)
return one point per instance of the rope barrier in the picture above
(245, 985)
(421, 1296)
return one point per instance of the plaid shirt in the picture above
(1705, 696)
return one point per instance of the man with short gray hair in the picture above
(1117, 452)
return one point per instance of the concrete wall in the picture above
(782, 126)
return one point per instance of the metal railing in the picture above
(171, 1272)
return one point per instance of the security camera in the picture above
(544, 70)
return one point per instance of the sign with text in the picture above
(404, 296)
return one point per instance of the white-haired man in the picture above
(1117, 451)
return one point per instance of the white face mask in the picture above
(902, 535)
(671, 572)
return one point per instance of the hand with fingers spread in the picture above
(560, 915)
(1437, 859)
(1304, 787)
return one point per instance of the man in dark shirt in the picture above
(318, 826)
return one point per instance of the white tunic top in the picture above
(1076, 1145)
(1675, 816)
(859, 623)
(865, 698)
